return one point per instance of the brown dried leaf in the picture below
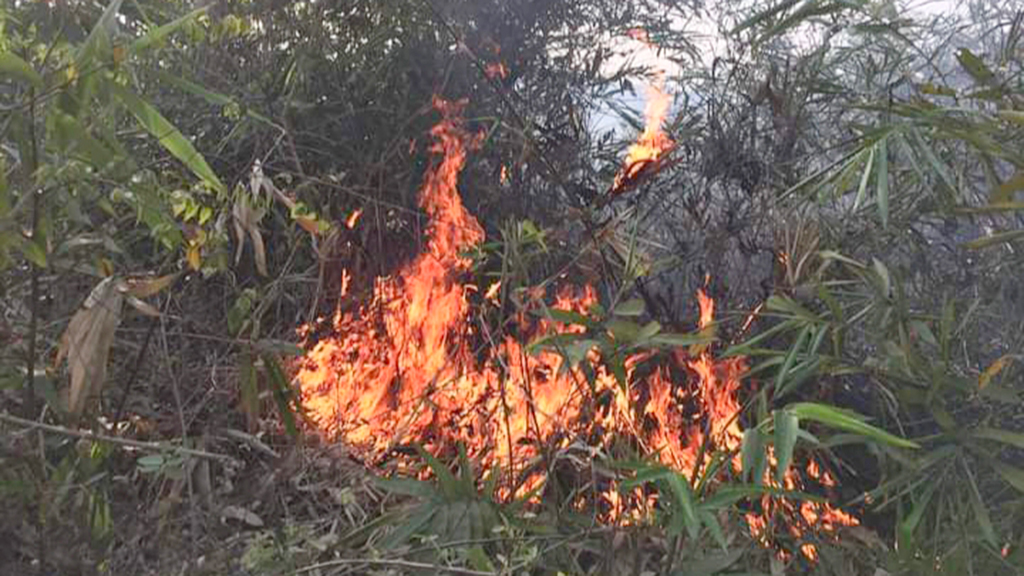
(86, 343)
(242, 515)
(246, 220)
(144, 307)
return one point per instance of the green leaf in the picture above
(994, 239)
(1015, 116)
(1014, 476)
(787, 424)
(169, 136)
(284, 396)
(883, 183)
(684, 500)
(568, 317)
(862, 189)
(278, 347)
(981, 513)
(753, 456)
(13, 66)
(909, 524)
(1007, 437)
(670, 340)
(35, 253)
(97, 44)
(848, 421)
(159, 33)
(634, 307)
(974, 66)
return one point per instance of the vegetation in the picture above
(190, 190)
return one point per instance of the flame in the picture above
(653, 143)
(406, 366)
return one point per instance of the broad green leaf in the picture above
(753, 456)
(567, 316)
(159, 33)
(684, 500)
(168, 135)
(787, 424)
(13, 66)
(634, 307)
(848, 421)
(883, 183)
(623, 331)
(994, 239)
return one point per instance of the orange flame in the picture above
(653, 143)
(403, 368)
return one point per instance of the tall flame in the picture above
(401, 368)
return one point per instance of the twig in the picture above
(434, 568)
(135, 372)
(89, 435)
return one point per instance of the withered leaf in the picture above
(86, 343)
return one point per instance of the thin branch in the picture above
(138, 444)
(434, 568)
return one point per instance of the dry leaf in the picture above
(144, 307)
(993, 370)
(242, 515)
(192, 256)
(87, 340)
(246, 219)
(146, 286)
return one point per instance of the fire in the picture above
(653, 143)
(406, 367)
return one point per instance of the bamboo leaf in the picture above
(848, 421)
(634, 307)
(981, 513)
(862, 189)
(98, 41)
(159, 33)
(1007, 437)
(883, 183)
(13, 66)
(974, 66)
(994, 239)
(787, 424)
(169, 136)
